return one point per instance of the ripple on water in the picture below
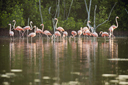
(118, 59)
(16, 70)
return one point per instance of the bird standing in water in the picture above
(111, 29)
(33, 34)
(11, 33)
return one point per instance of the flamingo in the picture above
(11, 33)
(18, 28)
(46, 32)
(87, 32)
(57, 33)
(111, 29)
(89, 26)
(59, 28)
(85, 29)
(27, 28)
(80, 32)
(39, 31)
(94, 34)
(33, 34)
(104, 34)
(65, 34)
(74, 33)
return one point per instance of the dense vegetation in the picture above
(21, 10)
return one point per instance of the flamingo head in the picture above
(30, 22)
(117, 17)
(41, 24)
(34, 27)
(114, 27)
(63, 35)
(9, 24)
(81, 28)
(63, 30)
(89, 22)
(55, 19)
(100, 32)
(14, 21)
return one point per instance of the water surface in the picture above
(84, 61)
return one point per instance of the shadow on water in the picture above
(83, 61)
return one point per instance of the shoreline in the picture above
(5, 33)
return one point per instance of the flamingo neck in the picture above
(88, 25)
(42, 28)
(116, 22)
(56, 23)
(31, 26)
(14, 25)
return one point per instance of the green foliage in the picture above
(17, 14)
(100, 18)
(22, 10)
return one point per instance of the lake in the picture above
(83, 61)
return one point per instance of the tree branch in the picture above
(108, 16)
(86, 6)
(40, 12)
(70, 9)
(49, 10)
(95, 16)
(126, 11)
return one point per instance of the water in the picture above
(89, 61)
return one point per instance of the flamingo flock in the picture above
(60, 32)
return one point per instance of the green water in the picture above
(64, 62)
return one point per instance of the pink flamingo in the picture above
(111, 29)
(11, 33)
(27, 28)
(80, 32)
(85, 29)
(65, 34)
(57, 33)
(94, 34)
(39, 31)
(18, 28)
(74, 33)
(33, 34)
(59, 28)
(87, 32)
(46, 32)
(104, 34)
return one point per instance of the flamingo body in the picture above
(104, 34)
(60, 29)
(11, 33)
(39, 30)
(85, 29)
(65, 33)
(74, 33)
(32, 34)
(79, 32)
(46, 32)
(18, 28)
(27, 28)
(57, 33)
(94, 34)
(87, 32)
